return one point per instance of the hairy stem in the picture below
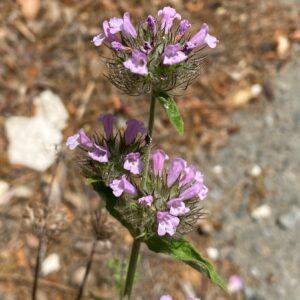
(150, 129)
(136, 242)
(87, 270)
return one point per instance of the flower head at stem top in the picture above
(158, 54)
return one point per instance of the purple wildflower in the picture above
(168, 14)
(172, 55)
(133, 163)
(202, 37)
(137, 63)
(98, 39)
(115, 25)
(145, 201)
(192, 191)
(134, 127)
(183, 27)
(158, 158)
(165, 297)
(99, 153)
(118, 46)
(122, 185)
(177, 165)
(188, 175)
(80, 138)
(177, 207)
(167, 223)
(151, 24)
(108, 122)
(128, 30)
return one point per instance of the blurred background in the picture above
(242, 118)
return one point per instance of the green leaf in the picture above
(182, 250)
(171, 109)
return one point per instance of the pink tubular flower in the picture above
(192, 191)
(158, 158)
(137, 63)
(122, 185)
(167, 223)
(172, 55)
(108, 121)
(80, 138)
(168, 14)
(177, 166)
(133, 163)
(177, 207)
(134, 127)
(128, 30)
(145, 201)
(183, 27)
(165, 297)
(99, 154)
(202, 37)
(187, 176)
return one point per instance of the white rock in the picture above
(262, 212)
(32, 142)
(50, 106)
(50, 264)
(213, 253)
(4, 187)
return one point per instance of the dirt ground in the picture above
(247, 145)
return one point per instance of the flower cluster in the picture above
(169, 204)
(158, 55)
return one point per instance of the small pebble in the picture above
(262, 212)
(289, 219)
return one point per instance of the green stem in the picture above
(136, 242)
(131, 268)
